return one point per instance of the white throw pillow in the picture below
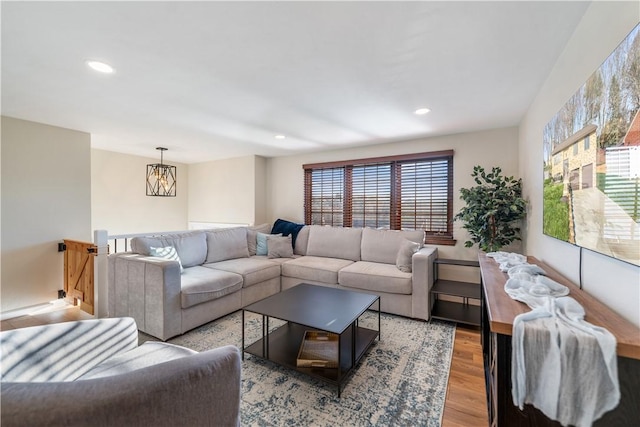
(168, 252)
(405, 253)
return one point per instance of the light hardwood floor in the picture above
(465, 405)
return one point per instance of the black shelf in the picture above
(457, 312)
(462, 262)
(285, 341)
(458, 289)
(460, 312)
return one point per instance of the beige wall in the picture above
(46, 197)
(498, 147)
(226, 191)
(260, 190)
(603, 27)
(118, 195)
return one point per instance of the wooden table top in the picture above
(502, 310)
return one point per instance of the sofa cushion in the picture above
(335, 242)
(200, 284)
(227, 243)
(317, 269)
(148, 354)
(279, 247)
(59, 352)
(383, 245)
(253, 270)
(375, 277)
(191, 246)
(252, 233)
(274, 260)
(300, 247)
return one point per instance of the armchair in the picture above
(93, 372)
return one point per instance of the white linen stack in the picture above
(506, 260)
(561, 364)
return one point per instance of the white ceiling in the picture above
(212, 80)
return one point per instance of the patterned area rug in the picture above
(401, 381)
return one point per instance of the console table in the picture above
(498, 313)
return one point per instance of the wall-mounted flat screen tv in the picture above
(592, 160)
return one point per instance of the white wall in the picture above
(46, 197)
(603, 27)
(118, 195)
(224, 191)
(498, 147)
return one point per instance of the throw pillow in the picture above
(252, 233)
(261, 243)
(279, 247)
(406, 251)
(287, 228)
(168, 252)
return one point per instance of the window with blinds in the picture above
(324, 196)
(371, 195)
(399, 192)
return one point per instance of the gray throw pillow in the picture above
(279, 247)
(252, 233)
(261, 243)
(405, 253)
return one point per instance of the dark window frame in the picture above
(320, 200)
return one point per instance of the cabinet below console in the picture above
(498, 311)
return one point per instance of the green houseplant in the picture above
(493, 208)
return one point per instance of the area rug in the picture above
(402, 381)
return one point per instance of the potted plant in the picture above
(493, 208)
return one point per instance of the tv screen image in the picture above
(592, 160)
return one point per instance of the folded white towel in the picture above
(525, 268)
(502, 255)
(506, 260)
(522, 286)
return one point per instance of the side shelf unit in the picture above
(460, 312)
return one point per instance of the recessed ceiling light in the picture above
(422, 111)
(279, 137)
(100, 66)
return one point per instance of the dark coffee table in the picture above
(309, 307)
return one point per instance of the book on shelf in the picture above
(318, 350)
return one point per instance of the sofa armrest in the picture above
(422, 280)
(147, 289)
(203, 389)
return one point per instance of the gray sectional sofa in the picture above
(212, 273)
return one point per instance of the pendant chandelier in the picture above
(161, 178)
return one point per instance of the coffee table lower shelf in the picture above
(282, 347)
